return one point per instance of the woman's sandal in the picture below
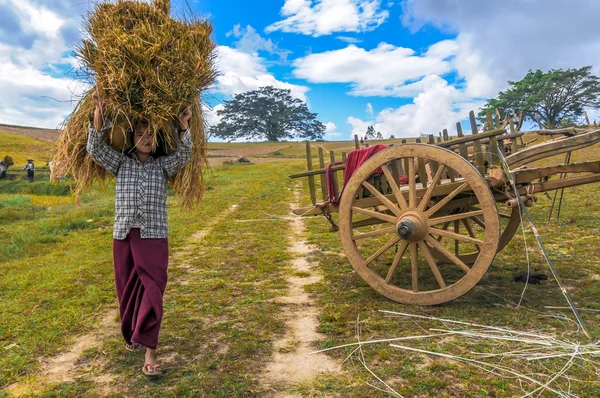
(150, 370)
(132, 347)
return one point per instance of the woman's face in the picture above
(144, 139)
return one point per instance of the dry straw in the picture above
(148, 67)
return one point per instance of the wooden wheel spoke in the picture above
(414, 267)
(375, 233)
(412, 184)
(381, 216)
(505, 216)
(444, 227)
(429, 192)
(382, 250)
(395, 188)
(470, 231)
(455, 236)
(385, 201)
(447, 199)
(456, 241)
(439, 247)
(432, 264)
(397, 258)
(454, 217)
(478, 221)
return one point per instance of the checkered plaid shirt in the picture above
(141, 188)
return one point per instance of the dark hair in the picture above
(161, 144)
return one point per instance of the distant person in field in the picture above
(30, 167)
(3, 170)
(140, 246)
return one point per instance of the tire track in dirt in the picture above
(68, 366)
(292, 362)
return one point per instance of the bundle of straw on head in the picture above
(148, 68)
(8, 161)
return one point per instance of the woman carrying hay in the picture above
(140, 248)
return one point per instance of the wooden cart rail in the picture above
(521, 177)
(478, 148)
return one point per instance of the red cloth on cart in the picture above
(353, 162)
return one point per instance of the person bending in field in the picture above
(140, 246)
(3, 170)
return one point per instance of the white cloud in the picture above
(438, 106)
(210, 114)
(331, 130)
(242, 72)
(359, 126)
(386, 70)
(506, 38)
(30, 53)
(323, 17)
(348, 39)
(251, 42)
(369, 109)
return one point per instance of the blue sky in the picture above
(406, 67)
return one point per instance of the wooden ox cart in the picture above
(422, 222)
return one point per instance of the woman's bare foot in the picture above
(151, 368)
(151, 356)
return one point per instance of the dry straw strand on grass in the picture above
(148, 67)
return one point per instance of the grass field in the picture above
(227, 275)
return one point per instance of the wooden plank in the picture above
(514, 145)
(451, 174)
(433, 165)
(324, 191)
(421, 168)
(317, 171)
(311, 178)
(476, 145)
(494, 153)
(395, 171)
(334, 179)
(587, 119)
(470, 138)
(528, 175)
(558, 184)
(356, 142)
(462, 147)
(489, 125)
(552, 148)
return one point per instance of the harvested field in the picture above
(49, 135)
(246, 151)
(218, 161)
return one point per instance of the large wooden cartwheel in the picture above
(391, 242)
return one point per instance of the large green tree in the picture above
(267, 113)
(558, 96)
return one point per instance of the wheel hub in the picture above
(412, 226)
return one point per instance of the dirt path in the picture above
(69, 365)
(292, 362)
(66, 366)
